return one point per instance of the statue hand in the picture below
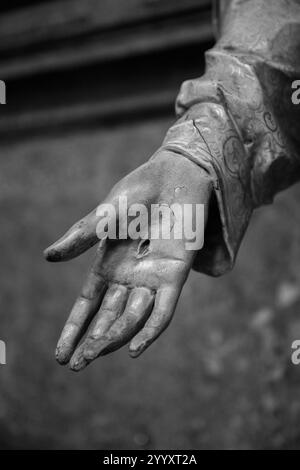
(133, 286)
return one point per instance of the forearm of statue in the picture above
(243, 108)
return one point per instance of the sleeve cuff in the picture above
(212, 142)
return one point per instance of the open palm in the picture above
(133, 286)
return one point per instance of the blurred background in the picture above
(90, 94)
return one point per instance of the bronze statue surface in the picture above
(234, 146)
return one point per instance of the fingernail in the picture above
(78, 365)
(61, 357)
(51, 254)
(136, 348)
(135, 352)
(92, 352)
(77, 361)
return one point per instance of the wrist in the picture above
(175, 164)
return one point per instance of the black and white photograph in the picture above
(150, 234)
